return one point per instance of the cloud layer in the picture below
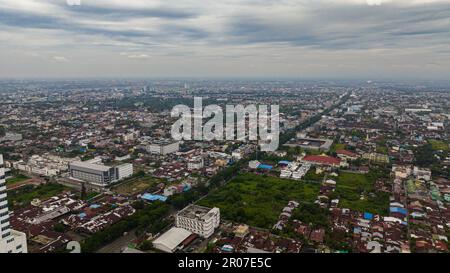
(267, 38)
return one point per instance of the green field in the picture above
(439, 145)
(337, 146)
(382, 150)
(24, 195)
(136, 185)
(16, 179)
(349, 188)
(258, 200)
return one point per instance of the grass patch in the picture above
(382, 150)
(24, 195)
(337, 146)
(439, 145)
(136, 185)
(350, 187)
(16, 179)
(311, 175)
(258, 200)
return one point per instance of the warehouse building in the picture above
(172, 240)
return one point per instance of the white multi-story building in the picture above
(11, 137)
(163, 147)
(199, 220)
(195, 163)
(97, 174)
(44, 165)
(124, 171)
(11, 241)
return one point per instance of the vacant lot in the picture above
(351, 187)
(439, 145)
(16, 179)
(337, 146)
(24, 195)
(258, 200)
(136, 185)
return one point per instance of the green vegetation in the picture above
(258, 200)
(148, 219)
(382, 150)
(337, 146)
(146, 245)
(439, 145)
(24, 195)
(181, 200)
(16, 179)
(59, 227)
(352, 187)
(424, 155)
(382, 147)
(90, 195)
(312, 214)
(312, 176)
(136, 185)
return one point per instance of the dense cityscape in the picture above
(224, 136)
(361, 167)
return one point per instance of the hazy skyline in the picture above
(248, 38)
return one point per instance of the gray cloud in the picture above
(234, 35)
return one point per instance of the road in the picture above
(119, 244)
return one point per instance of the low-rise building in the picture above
(195, 163)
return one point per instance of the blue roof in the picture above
(187, 188)
(368, 216)
(399, 210)
(82, 215)
(265, 167)
(94, 206)
(154, 197)
(284, 162)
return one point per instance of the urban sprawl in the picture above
(361, 167)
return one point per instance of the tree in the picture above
(146, 245)
(424, 155)
(83, 191)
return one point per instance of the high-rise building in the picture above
(11, 241)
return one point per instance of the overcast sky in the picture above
(369, 39)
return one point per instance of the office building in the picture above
(99, 175)
(199, 220)
(163, 147)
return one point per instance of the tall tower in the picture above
(11, 241)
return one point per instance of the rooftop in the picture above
(195, 212)
(97, 167)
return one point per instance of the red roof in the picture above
(347, 153)
(321, 159)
